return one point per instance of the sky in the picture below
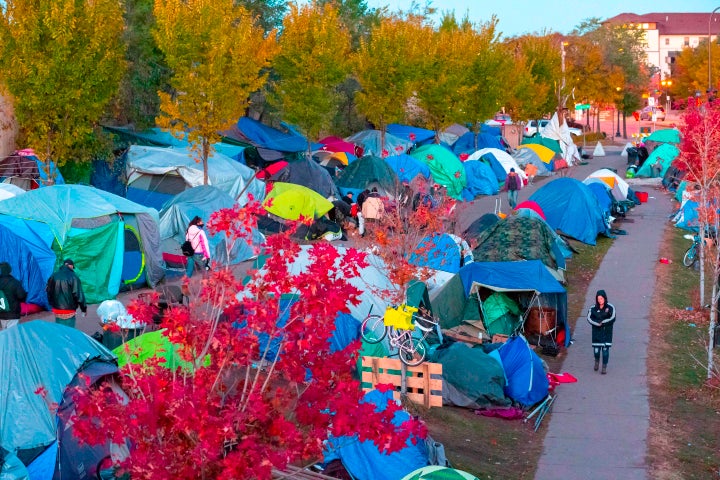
(527, 16)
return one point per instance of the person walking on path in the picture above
(602, 317)
(12, 294)
(199, 241)
(65, 294)
(513, 183)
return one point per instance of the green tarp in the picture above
(502, 315)
(446, 168)
(147, 346)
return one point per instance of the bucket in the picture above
(642, 196)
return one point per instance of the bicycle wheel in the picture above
(690, 256)
(373, 329)
(412, 352)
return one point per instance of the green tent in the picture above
(501, 314)
(665, 153)
(553, 145)
(368, 171)
(152, 345)
(436, 472)
(447, 169)
(665, 135)
(290, 201)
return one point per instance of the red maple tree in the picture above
(235, 410)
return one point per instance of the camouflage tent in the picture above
(520, 238)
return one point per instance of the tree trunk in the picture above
(711, 331)
(205, 154)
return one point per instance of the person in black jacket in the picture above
(12, 294)
(65, 294)
(602, 317)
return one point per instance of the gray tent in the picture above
(203, 201)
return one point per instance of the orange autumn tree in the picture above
(700, 158)
(238, 409)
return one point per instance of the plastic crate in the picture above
(399, 317)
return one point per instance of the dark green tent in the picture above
(367, 172)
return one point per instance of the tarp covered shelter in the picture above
(407, 168)
(27, 171)
(665, 153)
(112, 240)
(364, 460)
(527, 380)
(470, 142)
(529, 277)
(367, 172)
(571, 207)
(203, 201)
(520, 238)
(554, 131)
(481, 180)
(665, 135)
(271, 143)
(156, 174)
(337, 144)
(447, 169)
(371, 143)
(41, 354)
(308, 173)
(416, 135)
(441, 251)
(528, 156)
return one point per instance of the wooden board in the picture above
(424, 382)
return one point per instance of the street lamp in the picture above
(710, 50)
(617, 134)
(666, 84)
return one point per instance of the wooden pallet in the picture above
(296, 472)
(424, 382)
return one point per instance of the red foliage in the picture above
(700, 143)
(244, 413)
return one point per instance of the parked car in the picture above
(531, 127)
(500, 119)
(647, 113)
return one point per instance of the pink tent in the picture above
(532, 206)
(337, 144)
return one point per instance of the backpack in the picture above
(187, 248)
(512, 182)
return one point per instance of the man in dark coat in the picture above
(602, 317)
(12, 294)
(65, 294)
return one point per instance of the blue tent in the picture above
(407, 167)
(601, 190)
(466, 143)
(481, 180)
(687, 217)
(41, 354)
(365, 461)
(416, 135)
(264, 136)
(527, 381)
(494, 164)
(441, 252)
(27, 247)
(491, 130)
(571, 207)
(524, 276)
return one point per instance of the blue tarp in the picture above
(687, 217)
(527, 381)
(416, 135)
(481, 180)
(264, 136)
(466, 143)
(522, 276)
(439, 252)
(570, 206)
(495, 165)
(370, 141)
(601, 190)
(407, 167)
(365, 461)
(28, 250)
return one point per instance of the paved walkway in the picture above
(599, 425)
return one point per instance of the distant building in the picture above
(667, 34)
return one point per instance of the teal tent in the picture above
(665, 153)
(113, 241)
(447, 169)
(366, 172)
(665, 135)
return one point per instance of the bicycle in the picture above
(398, 325)
(691, 255)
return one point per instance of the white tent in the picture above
(618, 186)
(553, 130)
(504, 158)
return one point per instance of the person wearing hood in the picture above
(602, 317)
(513, 183)
(65, 294)
(12, 294)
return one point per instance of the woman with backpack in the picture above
(200, 246)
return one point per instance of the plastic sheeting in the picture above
(441, 252)
(370, 141)
(481, 180)
(37, 354)
(223, 172)
(554, 131)
(527, 380)
(261, 135)
(407, 168)
(571, 207)
(415, 135)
